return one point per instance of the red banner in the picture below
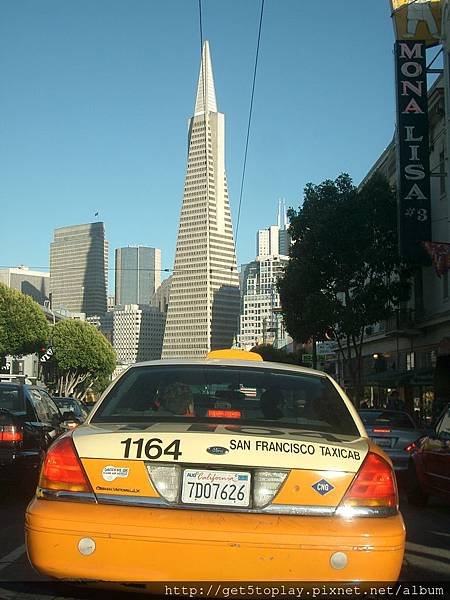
(440, 255)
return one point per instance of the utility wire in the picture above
(249, 120)
(47, 268)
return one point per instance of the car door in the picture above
(49, 417)
(437, 456)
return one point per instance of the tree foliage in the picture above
(268, 352)
(345, 272)
(23, 326)
(82, 356)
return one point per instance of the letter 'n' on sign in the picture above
(413, 153)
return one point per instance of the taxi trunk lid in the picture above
(118, 460)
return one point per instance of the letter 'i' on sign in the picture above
(413, 153)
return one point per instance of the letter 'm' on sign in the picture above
(411, 50)
(413, 185)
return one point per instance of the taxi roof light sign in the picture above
(234, 354)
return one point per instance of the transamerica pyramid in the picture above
(204, 296)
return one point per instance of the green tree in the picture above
(82, 356)
(268, 352)
(345, 272)
(23, 326)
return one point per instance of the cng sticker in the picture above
(323, 487)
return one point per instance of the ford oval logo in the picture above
(217, 450)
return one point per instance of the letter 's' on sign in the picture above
(413, 153)
(417, 20)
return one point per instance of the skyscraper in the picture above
(260, 320)
(138, 274)
(204, 297)
(78, 269)
(276, 239)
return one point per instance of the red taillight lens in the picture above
(227, 414)
(10, 433)
(62, 468)
(374, 485)
(382, 430)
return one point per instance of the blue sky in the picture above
(96, 95)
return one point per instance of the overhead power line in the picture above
(47, 268)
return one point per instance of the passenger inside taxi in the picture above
(271, 403)
(178, 399)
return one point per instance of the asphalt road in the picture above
(427, 555)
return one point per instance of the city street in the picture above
(427, 552)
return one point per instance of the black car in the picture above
(71, 408)
(29, 422)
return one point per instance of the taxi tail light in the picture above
(11, 433)
(62, 469)
(382, 430)
(266, 485)
(374, 485)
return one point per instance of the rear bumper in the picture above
(135, 544)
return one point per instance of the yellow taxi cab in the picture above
(217, 469)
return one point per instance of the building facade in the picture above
(203, 305)
(161, 297)
(78, 269)
(402, 352)
(260, 319)
(138, 274)
(137, 332)
(275, 240)
(32, 283)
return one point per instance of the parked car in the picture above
(429, 464)
(72, 409)
(29, 422)
(213, 469)
(393, 431)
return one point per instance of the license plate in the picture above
(223, 488)
(382, 442)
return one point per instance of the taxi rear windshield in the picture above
(231, 394)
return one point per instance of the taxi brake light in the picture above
(228, 414)
(62, 469)
(382, 430)
(374, 485)
(10, 433)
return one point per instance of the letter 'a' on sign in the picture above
(417, 20)
(413, 153)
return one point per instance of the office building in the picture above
(138, 274)
(137, 332)
(204, 297)
(275, 240)
(32, 283)
(259, 321)
(161, 297)
(78, 269)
